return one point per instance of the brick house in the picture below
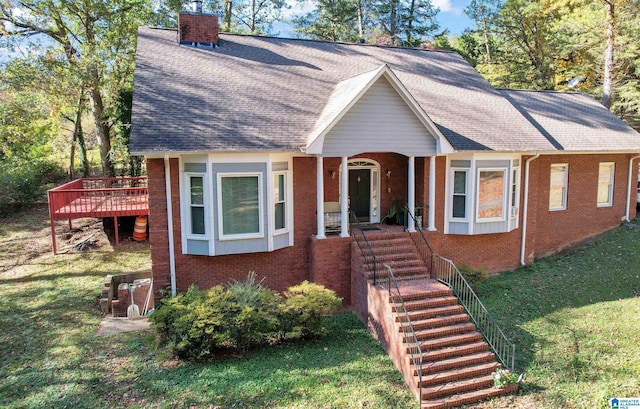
(260, 150)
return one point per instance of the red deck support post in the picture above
(53, 226)
(115, 226)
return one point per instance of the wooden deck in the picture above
(98, 197)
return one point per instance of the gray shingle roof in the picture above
(574, 121)
(260, 93)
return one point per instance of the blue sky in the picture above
(451, 16)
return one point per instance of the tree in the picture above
(407, 23)
(97, 40)
(332, 20)
(483, 13)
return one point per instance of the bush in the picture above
(243, 315)
(24, 183)
(472, 276)
(304, 309)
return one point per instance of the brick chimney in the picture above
(197, 28)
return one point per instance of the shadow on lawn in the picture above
(283, 374)
(600, 270)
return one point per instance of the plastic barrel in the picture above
(140, 229)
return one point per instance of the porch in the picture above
(98, 197)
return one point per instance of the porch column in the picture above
(432, 193)
(344, 196)
(320, 196)
(411, 196)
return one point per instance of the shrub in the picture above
(241, 316)
(24, 183)
(304, 309)
(472, 276)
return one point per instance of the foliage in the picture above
(304, 308)
(472, 276)
(396, 212)
(244, 315)
(24, 183)
(503, 377)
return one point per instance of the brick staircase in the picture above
(456, 361)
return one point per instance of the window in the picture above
(239, 205)
(459, 210)
(558, 186)
(196, 204)
(279, 200)
(491, 195)
(605, 184)
(515, 196)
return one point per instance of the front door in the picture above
(360, 193)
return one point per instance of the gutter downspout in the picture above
(525, 206)
(631, 173)
(172, 261)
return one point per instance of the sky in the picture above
(451, 16)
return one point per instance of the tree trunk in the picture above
(102, 131)
(607, 83)
(360, 22)
(393, 27)
(86, 169)
(227, 14)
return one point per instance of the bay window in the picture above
(491, 195)
(240, 205)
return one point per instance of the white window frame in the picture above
(453, 171)
(504, 195)
(565, 187)
(285, 182)
(515, 192)
(612, 167)
(205, 206)
(260, 233)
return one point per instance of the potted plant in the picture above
(396, 213)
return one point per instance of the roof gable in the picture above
(350, 91)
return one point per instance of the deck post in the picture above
(70, 225)
(53, 227)
(115, 227)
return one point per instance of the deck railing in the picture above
(94, 196)
(446, 272)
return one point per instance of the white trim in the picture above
(243, 236)
(451, 193)
(565, 187)
(629, 187)
(411, 193)
(514, 192)
(320, 234)
(344, 193)
(505, 179)
(172, 257)
(187, 206)
(525, 210)
(432, 194)
(612, 174)
(374, 180)
(286, 228)
(270, 206)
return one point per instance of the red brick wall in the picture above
(280, 269)
(331, 265)
(198, 28)
(328, 261)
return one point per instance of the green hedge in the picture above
(242, 315)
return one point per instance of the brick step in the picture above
(459, 374)
(453, 388)
(452, 351)
(437, 322)
(380, 251)
(373, 235)
(434, 302)
(430, 312)
(397, 272)
(384, 241)
(467, 397)
(450, 341)
(393, 257)
(408, 294)
(456, 329)
(457, 362)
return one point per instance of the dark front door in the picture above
(360, 193)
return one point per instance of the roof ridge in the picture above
(268, 37)
(546, 91)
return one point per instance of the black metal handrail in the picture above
(371, 256)
(409, 335)
(426, 258)
(447, 273)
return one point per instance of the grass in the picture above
(574, 318)
(51, 357)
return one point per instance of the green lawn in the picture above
(575, 319)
